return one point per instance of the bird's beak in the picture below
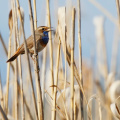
(49, 29)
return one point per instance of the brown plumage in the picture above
(29, 41)
(10, 22)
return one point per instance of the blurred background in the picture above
(100, 45)
(89, 12)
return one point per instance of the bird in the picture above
(42, 38)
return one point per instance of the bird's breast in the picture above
(44, 41)
(41, 44)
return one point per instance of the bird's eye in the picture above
(43, 28)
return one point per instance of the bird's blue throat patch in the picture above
(45, 38)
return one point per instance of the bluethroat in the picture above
(42, 38)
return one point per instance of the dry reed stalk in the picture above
(1, 94)
(100, 90)
(68, 57)
(6, 51)
(61, 15)
(80, 58)
(114, 52)
(15, 24)
(13, 107)
(115, 108)
(36, 65)
(118, 11)
(61, 62)
(51, 48)
(75, 110)
(43, 74)
(65, 79)
(76, 73)
(99, 103)
(105, 55)
(28, 62)
(21, 80)
(104, 11)
(100, 112)
(65, 69)
(72, 63)
(56, 34)
(115, 43)
(21, 85)
(56, 104)
(8, 74)
(63, 98)
(3, 45)
(25, 102)
(35, 16)
(3, 113)
(61, 30)
(102, 60)
(10, 21)
(28, 109)
(8, 64)
(56, 83)
(15, 48)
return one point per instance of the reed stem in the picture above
(39, 93)
(15, 24)
(51, 48)
(21, 85)
(118, 11)
(35, 14)
(72, 64)
(3, 114)
(1, 94)
(80, 58)
(5, 49)
(8, 74)
(56, 82)
(28, 62)
(43, 74)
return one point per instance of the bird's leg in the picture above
(32, 56)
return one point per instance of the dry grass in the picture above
(71, 89)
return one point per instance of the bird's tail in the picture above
(14, 56)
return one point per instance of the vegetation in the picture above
(61, 87)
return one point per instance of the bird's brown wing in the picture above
(21, 49)
(29, 42)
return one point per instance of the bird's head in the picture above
(44, 29)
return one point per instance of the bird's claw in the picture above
(33, 58)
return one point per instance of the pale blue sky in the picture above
(88, 31)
